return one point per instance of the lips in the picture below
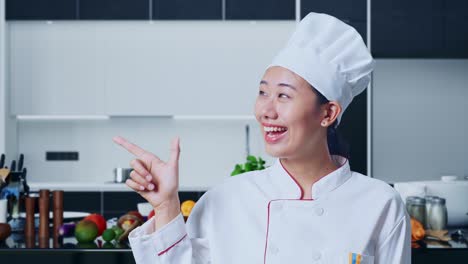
(274, 133)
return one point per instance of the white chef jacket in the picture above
(259, 217)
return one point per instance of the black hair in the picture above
(336, 143)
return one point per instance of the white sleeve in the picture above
(172, 244)
(396, 248)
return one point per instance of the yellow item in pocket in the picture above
(186, 207)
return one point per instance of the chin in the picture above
(277, 151)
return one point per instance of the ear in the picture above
(332, 110)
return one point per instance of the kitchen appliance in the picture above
(121, 174)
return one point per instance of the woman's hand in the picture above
(155, 180)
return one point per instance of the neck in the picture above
(308, 170)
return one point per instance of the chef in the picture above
(308, 207)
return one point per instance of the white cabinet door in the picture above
(55, 69)
(189, 68)
(139, 68)
(134, 86)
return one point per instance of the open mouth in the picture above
(274, 133)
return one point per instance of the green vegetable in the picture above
(108, 235)
(252, 164)
(86, 231)
(118, 231)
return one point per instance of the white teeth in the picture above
(274, 129)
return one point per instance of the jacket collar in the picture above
(286, 187)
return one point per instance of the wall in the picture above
(2, 76)
(7, 123)
(209, 148)
(420, 123)
(418, 133)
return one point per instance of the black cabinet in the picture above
(261, 9)
(353, 129)
(187, 9)
(456, 36)
(423, 8)
(345, 9)
(41, 9)
(114, 9)
(407, 36)
(82, 201)
(456, 7)
(353, 12)
(419, 28)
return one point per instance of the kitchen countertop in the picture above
(16, 241)
(95, 187)
(69, 251)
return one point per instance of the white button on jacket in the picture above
(259, 217)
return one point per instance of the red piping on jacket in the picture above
(167, 249)
(301, 198)
(268, 222)
(268, 216)
(300, 188)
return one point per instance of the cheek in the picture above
(257, 111)
(303, 123)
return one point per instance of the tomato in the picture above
(99, 220)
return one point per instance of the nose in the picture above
(268, 110)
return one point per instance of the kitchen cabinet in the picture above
(351, 12)
(55, 70)
(419, 29)
(187, 9)
(406, 36)
(456, 36)
(456, 7)
(114, 9)
(261, 9)
(140, 69)
(195, 71)
(41, 9)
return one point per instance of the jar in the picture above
(417, 209)
(429, 203)
(438, 214)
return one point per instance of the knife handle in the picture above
(2, 161)
(20, 162)
(13, 166)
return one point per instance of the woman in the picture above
(306, 208)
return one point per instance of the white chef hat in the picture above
(330, 55)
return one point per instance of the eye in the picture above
(283, 95)
(261, 92)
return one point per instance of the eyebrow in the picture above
(280, 84)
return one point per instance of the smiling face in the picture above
(289, 113)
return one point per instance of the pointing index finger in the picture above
(132, 148)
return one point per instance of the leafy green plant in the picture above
(252, 164)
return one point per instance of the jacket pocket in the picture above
(348, 258)
(356, 258)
